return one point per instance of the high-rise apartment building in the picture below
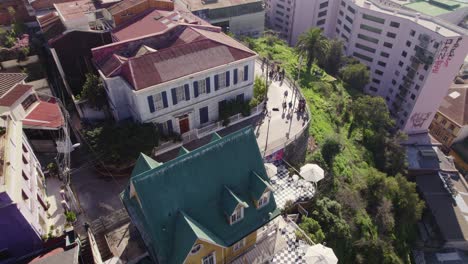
(23, 216)
(413, 58)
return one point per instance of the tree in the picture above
(120, 144)
(93, 90)
(384, 218)
(355, 75)
(313, 45)
(371, 113)
(395, 154)
(312, 229)
(408, 208)
(334, 57)
(12, 13)
(330, 148)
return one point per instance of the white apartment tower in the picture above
(413, 58)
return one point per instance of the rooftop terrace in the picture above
(436, 7)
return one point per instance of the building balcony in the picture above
(423, 55)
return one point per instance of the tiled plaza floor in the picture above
(286, 188)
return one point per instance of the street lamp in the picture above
(295, 93)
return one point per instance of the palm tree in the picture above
(313, 45)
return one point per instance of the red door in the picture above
(184, 125)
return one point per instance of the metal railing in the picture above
(94, 248)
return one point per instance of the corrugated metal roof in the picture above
(8, 80)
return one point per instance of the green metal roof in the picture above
(231, 201)
(144, 163)
(258, 185)
(186, 234)
(183, 151)
(215, 137)
(193, 185)
(437, 7)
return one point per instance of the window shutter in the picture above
(164, 98)
(246, 72)
(195, 88)
(228, 78)
(187, 92)
(203, 115)
(216, 82)
(151, 103)
(235, 76)
(174, 96)
(160, 129)
(208, 84)
(169, 126)
(240, 97)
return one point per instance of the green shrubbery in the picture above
(365, 208)
(121, 144)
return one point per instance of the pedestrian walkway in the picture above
(55, 211)
(279, 125)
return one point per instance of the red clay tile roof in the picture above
(10, 97)
(180, 51)
(123, 5)
(8, 80)
(455, 105)
(45, 115)
(145, 24)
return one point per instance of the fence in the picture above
(94, 248)
(198, 133)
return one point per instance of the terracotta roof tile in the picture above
(45, 114)
(8, 80)
(10, 97)
(180, 51)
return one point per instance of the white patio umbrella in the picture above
(312, 172)
(271, 170)
(320, 254)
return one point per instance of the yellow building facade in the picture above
(203, 249)
(444, 130)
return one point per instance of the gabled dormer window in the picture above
(264, 199)
(237, 215)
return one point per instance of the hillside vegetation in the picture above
(365, 207)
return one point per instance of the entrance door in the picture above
(184, 124)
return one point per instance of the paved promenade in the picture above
(273, 130)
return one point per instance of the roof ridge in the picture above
(192, 153)
(158, 52)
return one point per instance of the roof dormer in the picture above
(233, 205)
(260, 190)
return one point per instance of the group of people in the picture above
(276, 73)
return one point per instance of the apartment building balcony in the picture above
(2, 157)
(423, 55)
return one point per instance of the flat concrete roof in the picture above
(450, 212)
(432, 9)
(411, 16)
(195, 5)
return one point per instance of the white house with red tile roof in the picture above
(176, 78)
(20, 101)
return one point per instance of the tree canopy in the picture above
(313, 46)
(356, 75)
(94, 92)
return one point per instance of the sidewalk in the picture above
(271, 130)
(272, 133)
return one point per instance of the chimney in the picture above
(367, 4)
(416, 18)
(437, 29)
